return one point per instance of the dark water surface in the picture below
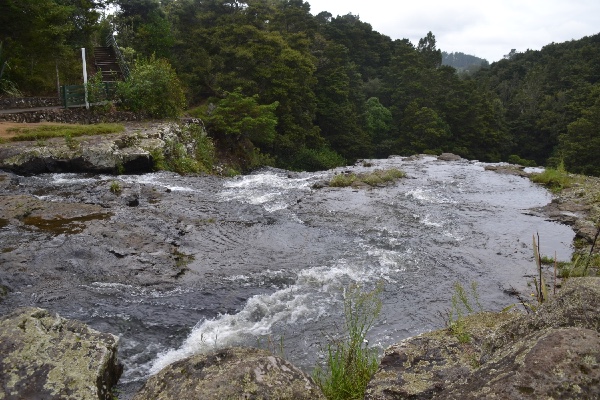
(264, 258)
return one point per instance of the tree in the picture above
(379, 126)
(239, 117)
(427, 47)
(580, 146)
(423, 130)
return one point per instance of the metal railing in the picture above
(112, 42)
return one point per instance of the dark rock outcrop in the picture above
(44, 356)
(233, 373)
(449, 157)
(554, 353)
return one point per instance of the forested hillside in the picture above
(281, 86)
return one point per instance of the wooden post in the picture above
(87, 105)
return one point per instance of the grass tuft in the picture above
(555, 179)
(350, 363)
(375, 178)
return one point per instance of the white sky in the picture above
(483, 28)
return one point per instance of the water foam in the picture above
(315, 292)
(266, 189)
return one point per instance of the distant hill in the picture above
(463, 62)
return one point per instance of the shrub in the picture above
(153, 88)
(515, 159)
(187, 150)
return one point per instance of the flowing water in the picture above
(270, 256)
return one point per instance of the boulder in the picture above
(554, 353)
(449, 157)
(232, 373)
(44, 356)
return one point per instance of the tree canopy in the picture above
(342, 90)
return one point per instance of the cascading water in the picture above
(269, 256)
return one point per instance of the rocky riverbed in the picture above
(177, 266)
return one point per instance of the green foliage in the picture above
(515, 159)
(350, 364)
(342, 180)
(71, 143)
(580, 146)
(115, 187)
(463, 304)
(555, 179)
(374, 178)
(242, 117)
(98, 93)
(187, 150)
(63, 130)
(41, 38)
(581, 265)
(379, 124)
(152, 88)
(543, 93)
(316, 159)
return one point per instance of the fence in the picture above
(74, 95)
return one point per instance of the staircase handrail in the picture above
(112, 42)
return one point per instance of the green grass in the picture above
(115, 187)
(342, 180)
(580, 265)
(375, 178)
(350, 363)
(71, 131)
(555, 179)
(463, 304)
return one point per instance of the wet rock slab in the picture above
(232, 373)
(44, 356)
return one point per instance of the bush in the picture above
(152, 88)
(187, 150)
(515, 159)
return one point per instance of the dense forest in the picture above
(288, 88)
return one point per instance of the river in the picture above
(198, 262)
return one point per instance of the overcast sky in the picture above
(483, 28)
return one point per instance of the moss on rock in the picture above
(45, 356)
(233, 373)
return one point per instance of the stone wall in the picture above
(72, 115)
(7, 103)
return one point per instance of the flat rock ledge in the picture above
(554, 353)
(129, 152)
(232, 373)
(44, 356)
